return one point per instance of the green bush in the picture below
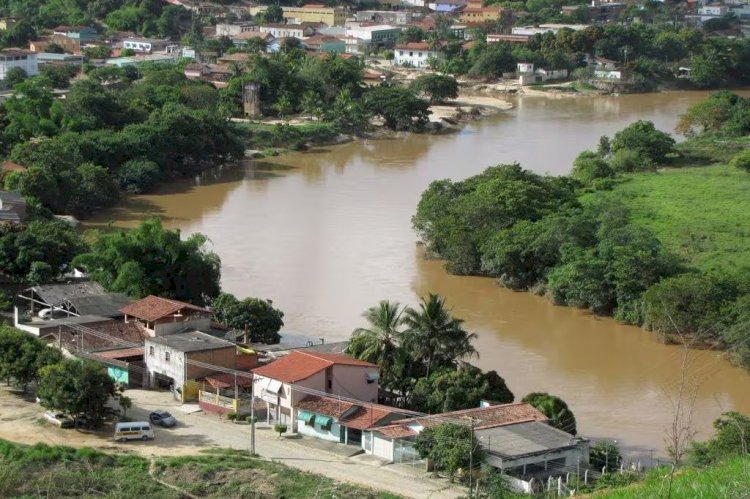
(630, 160)
(605, 453)
(279, 428)
(741, 160)
(231, 416)
(251, 419)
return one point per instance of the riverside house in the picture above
(282, 384)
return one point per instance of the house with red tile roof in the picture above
(338, 420)
(161, 316)
(516, 438)
(285, 382)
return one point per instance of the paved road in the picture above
(198, 430)
(20, 421)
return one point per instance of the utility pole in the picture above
(471, 461)
(252, 420)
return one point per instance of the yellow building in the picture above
(315, 13)
(475, 12)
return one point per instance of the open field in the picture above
(729, 479)
(702, 214)
(56, 471)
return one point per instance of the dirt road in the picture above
(21, 421)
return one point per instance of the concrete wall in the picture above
(382, 447)
(351, 381)
(175, 367)
(27, 62)
(332, 435)
(170, 325)
(224, 357)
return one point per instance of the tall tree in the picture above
(437, 337)
(378, 342)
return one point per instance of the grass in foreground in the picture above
(41, 470)
(701, 214)
(728, 479)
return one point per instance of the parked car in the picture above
(59, 419)
(162, 418)
(133, 430)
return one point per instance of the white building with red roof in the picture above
(284, 383)
(161, 316)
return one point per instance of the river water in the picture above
(326, 234)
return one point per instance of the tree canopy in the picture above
(451, 447)
(256, 316)
(153, 260)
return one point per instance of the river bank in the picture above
(330, 235)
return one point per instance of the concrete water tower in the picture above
(251, 99)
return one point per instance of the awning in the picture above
(324, 422)
(274, 386)
(305, 416)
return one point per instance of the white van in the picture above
(133, 431)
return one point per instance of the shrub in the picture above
(741, 160)
(605, 453)
(279, 428)
(251, 419)
(138, 175)
(630, 160)
(589, 166)
(231, 416)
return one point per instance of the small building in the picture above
(499, 37)
(12, 206)
(175, 359)
(87, 301)
(396, 17)
(316, 13)
(515, 438)
(377, 36)
(163, 316)
(414, 54)
(83, 34)
(326, 44)
(342, 421)
(289, 30)
(136, 61)
(281, 382)
(545, 28)
(475, 13)
(18, 58)
(58, 59)
(232, 30)
(242, 39)
(147, 45)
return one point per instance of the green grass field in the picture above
(56, 471)
(729, 479)
(701, 213)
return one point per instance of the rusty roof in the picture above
(153, 308)
(485, 417)
(396, 431)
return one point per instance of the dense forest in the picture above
(584, 240)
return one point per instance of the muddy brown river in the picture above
(326, 234)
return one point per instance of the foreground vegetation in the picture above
(56, 471)
(622, 235)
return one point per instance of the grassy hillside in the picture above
(702, 214)
(728, 479)
(44, 471)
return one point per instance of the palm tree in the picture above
(378, 342)
(435, 336)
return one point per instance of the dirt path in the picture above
(152, 474)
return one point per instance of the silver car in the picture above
(162, 418)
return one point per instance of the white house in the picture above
(147, 45)
(18, 58)
(342, 421)
(414, 54)
(281, 383)
(515, 438)
(168, 358)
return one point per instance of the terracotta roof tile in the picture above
(486, 417)
(301, 365)
(351, 415)
(153, 307)
(396, 431)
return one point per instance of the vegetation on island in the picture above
(58, 471)
(626, 234)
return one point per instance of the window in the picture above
(166, 356)
(419, 54)
(401, 52)
(330, 384)
(411, 54)
(151, 351)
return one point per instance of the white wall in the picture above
(332, 435)
(27, 62)
(157, 363)
(201, 324)
(414, 58)
(382, 447)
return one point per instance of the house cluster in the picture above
(332, 396)
(316, 390)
